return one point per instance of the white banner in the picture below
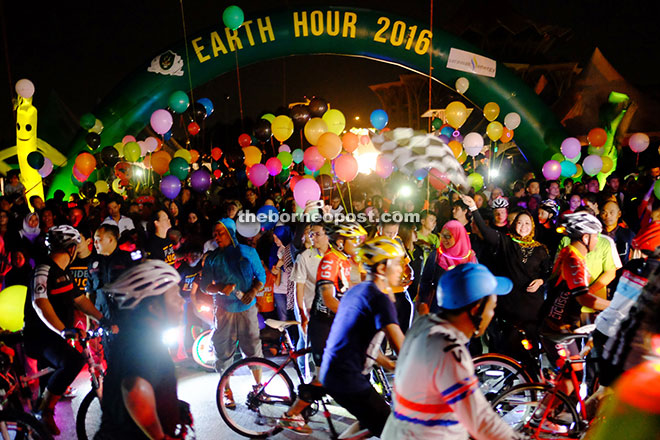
(471, 62)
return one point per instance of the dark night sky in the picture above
(79, 51)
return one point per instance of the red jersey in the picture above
(335, 269)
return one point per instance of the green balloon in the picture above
(132, 151)
(179, 168)
(233, 17)
(436, 123)
(179, 101)
(286, 158)
(269, 117)
(283, 176)
(656, 189)
(36, 160)
(476, 181)
(558, 157)
(87, 121)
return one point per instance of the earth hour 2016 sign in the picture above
(313, 31)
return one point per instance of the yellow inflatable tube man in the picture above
(26, 143)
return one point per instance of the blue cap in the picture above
(468, 283)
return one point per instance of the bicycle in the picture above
(88, 418)
(258, 406)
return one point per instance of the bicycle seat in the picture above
(563, 337)
(280, 325)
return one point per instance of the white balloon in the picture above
(473, 143)
(462, 84)
(25, 88)
(512, 121)
(248, 229)
(592, 164)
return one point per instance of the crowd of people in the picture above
(537, 256)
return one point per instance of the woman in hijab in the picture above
(280, 264)
(455, 249)
(30, 239)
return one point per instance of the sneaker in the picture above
(263, 397)
(548, 426)
(47, 418)
(70, 393)
(229, 399)
(295, 423)
(354, 432)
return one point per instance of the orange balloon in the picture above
(350, 141)
(329, 145)
(507, 135)
(147, 161)
(252, 155)
(456, 148)
(160, 162)
(85, 163)
(596, 137)
(194, 155)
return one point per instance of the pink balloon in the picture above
(161, 121)
(306, 190)
(128, 138)
(78, 175)
(313, 159)
(151, 143)
(384, 167)
(552, 170)
(570, 147)
(258, 174)
(639, 142)
(346, 167)
(47, 168)
(274, 166)
(284, 147)
(143, 148)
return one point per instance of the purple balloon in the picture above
(170, 186)
(444, 139)
(46, 168)
(552, 170)
(306, 190)
(570, 147)
(161, 121)
(258, 174)
(200, 180)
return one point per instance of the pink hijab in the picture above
(461, 252)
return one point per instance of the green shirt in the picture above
(602, 259)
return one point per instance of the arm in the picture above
(300, 301)
(603, 280)
(45, 310)
(85, 305)
(592, 301)
(140, 402)
(328, 294)
(491, 236)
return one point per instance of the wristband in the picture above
(473, 208)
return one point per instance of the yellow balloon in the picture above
(314, 128)
(326, 168)
(26, 143)
(120, 148)
(608, 164)
(494, 130)
(456, 113)
(185, 154)
(252, 155)
(491, 111)
(97, 128)
(282, 127)
(335, 120)
(579, 171)
(101, 186)
(116, 186)
(462, 157)
(12, 301)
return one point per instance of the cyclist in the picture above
(436, 394)
(49, 318)
(365, 315)
(140, 387)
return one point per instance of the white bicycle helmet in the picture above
(580, 223)
(550, 206)
(60, 238)
(500, 202)
(151, 278)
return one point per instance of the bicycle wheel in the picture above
(498, 373)
(522, 407)
(22, 426)
(256, 411)
(202, 350)
(88, 419)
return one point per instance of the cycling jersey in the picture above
(569, 279)
(335, 269)
(436, 393)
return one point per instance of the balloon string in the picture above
(240, 95)
(341, 197)
(185, 41)
(350, 199)
(431, 62)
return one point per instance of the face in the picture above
(593, 206)
(221, 236)
(544, 216)
(19, 259)
(134, 209)
(575, 202)
(409, 206)
(390, 230)
(104, 243)
(610, 214)
(38, 203)
(113, 209)
(47, 217)
(185, 195)
(614, 184)
(553, 190)
(458, 213)
(4, 218)
(479, 200)
(251, 197)
(33, 221)
(524, 225)
(277, 241)
(497, 192)
(83, 246)
(192, 218)
(500, 215)
(173, 305)
(429, 222)
(351, 245)
(174, 209)
(487, 316)
(232, 211)
(335, 202)
(593, 186)
(534, 188)
(163, 221)
(568, 186)
(318, 237)
(358, 205)
(447, 239)
(393, 271)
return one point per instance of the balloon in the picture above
(507, 135)
(179, 168)
(579, 171)
(244, 140)
(122, 171)
(638, 142)
(456, 135)
(597, 137)
(473, 144)
(595, 150)
(447, 131)
(87, 121)
(491, 111)
(462, 157)
(456, 114)
(258, 174)
(160, 162)
(282, 127)
(379, 119)
(12, 302)
(233, 17)
(656, 189)
(216, 153)
(384, 167)
(476, 181)
(494, 130)
(101, 186)
(271, 216)
(335, 121)
(436, 124)
(285, 159)
(313, 159)
(325, 182)
(306, 190)
(25, 88)
(269, 117)
(132, 151)
(47, 168)
(252, 156)
(208, 105)
(512, 121)
(551, 170)
(109, 156)
(326, 169)
(570, 147)
(117, 187)
(318, 107)
(262, 130)
(170, 186)
(200, 180)
(438, 179)
(575, 159)
(350, 141)
(456, 148)
(274, 166)
(248, 229)
(93, 139)
(161, 121)
(329, 145)
(97, 127)
(35, 160)
(444, 139)
(314, 128)
(86, 163)
(88, 190)
(217, 173)
(193, 128)
(300, 115)
(462, 85)
(346, 167)
(420, 174)
(558, 157)
(284, 147)
(184, 154)
(364, 139)
(592, 164)
(608, 164)
(298, 155)
(78, 175)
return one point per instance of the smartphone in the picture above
(317, 204)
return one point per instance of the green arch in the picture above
(323, 30)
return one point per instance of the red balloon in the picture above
(346, 167)
(216, 153)
(244, 140)
(438, 179)
(193, 128)
(217, 174)
(597, 137)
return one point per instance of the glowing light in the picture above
(357, 118)
(138, 172)
(171, 336)
(405, 191)
(526, 344)
(494, 173)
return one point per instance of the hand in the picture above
(326, 209)
(71, 333)
(248, 296)
(390, 366)
(304, 320)
(423, 309)
(534, 285)
(229, 288)
(469, 201)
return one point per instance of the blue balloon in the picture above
(167, 136)
(379, 119)
(568, 168)
(447, 131)
(421, 173)
(269, 215)
(208, 105)
(298, 155)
